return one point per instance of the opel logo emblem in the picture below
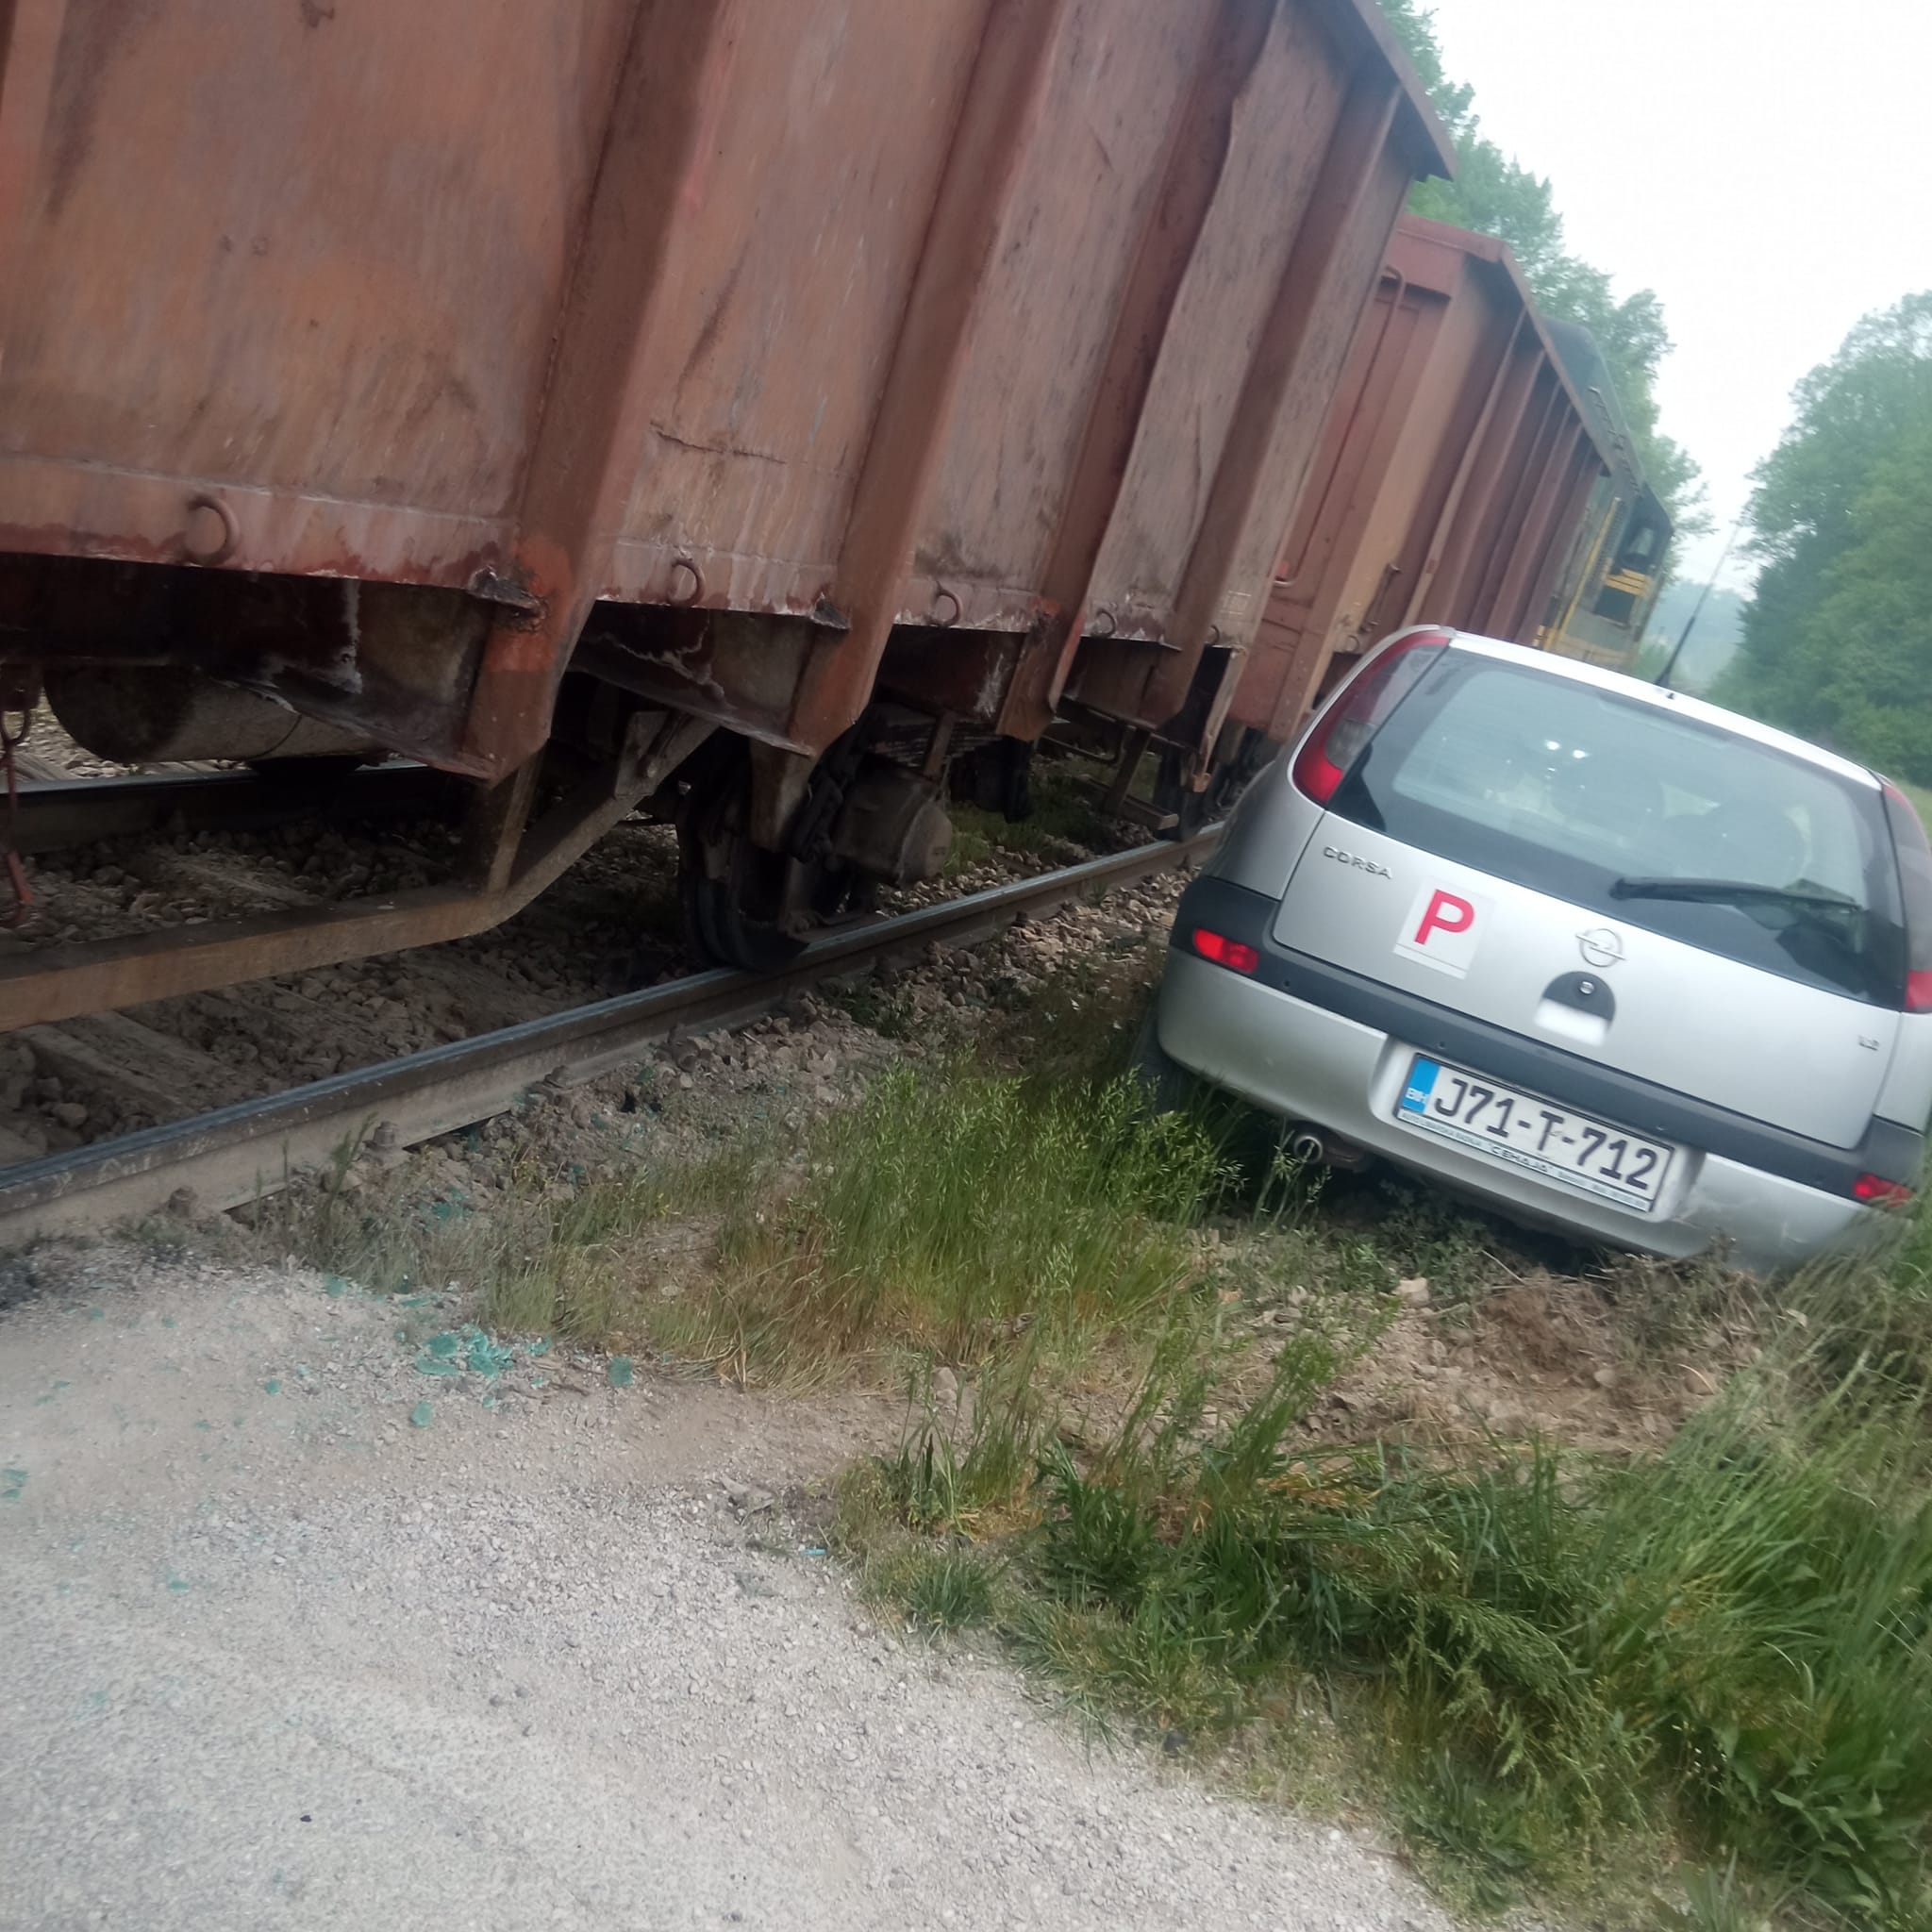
(1602, 946)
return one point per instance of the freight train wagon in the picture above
(726, 408)
(1468, 477)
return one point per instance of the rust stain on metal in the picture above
(843, 312)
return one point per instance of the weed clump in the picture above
(952, 1214)
(1727, 1645)
(975, 1205)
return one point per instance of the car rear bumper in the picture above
(1305, 1062)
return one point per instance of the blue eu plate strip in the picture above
(1421, 1083)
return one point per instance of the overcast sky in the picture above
(1760, 163)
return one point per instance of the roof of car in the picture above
(1662, 697)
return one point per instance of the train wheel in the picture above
(744, 906)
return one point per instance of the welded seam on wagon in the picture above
(647, 1013)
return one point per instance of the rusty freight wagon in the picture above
(726, 408)
(1461, 471)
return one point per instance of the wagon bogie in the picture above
(838, 383)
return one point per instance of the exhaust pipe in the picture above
(1308, 1146)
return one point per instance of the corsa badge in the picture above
(1355, 859)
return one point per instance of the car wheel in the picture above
(1167, 1085)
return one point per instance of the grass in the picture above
(951, 1212)
(1065, 814)
(1549, 1664)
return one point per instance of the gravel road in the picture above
(276, 1655)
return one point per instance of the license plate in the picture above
(1524, 1131)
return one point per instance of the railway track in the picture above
(237, 1153)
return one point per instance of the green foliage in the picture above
(1497, 196)
(1543, 1659)
(950, 1590)
(981, 1205)
(1837, 641)
(952, 1212)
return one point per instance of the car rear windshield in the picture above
(1616, 804)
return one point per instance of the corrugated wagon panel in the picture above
(791, 279)
(1282, 125)
(1277, 428)
(1462, 517)
(963, 313)
(1122, 70)
(1307, 401)
(312, 249)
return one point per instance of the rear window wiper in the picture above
(1733, 892)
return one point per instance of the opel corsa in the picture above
(1604, 956)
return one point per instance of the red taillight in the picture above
(1915, 890)
(1316, 773)
(1223, 950)
(1879, 1192)
(1358, 711)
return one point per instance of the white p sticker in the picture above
(1443, 929)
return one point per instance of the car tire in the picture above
(1167, 1085)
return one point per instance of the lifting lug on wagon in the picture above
(749, 456)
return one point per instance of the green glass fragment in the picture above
(487, 1358)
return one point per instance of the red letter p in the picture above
(1446, 913)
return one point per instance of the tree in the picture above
(1847, 414)
(1496, 196)
(1838, 638)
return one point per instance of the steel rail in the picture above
(251, 1147)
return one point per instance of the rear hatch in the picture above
(1612, 876)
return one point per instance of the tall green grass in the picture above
(951, 1212)
(1544, 1659)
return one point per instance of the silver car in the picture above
(1604, 956)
